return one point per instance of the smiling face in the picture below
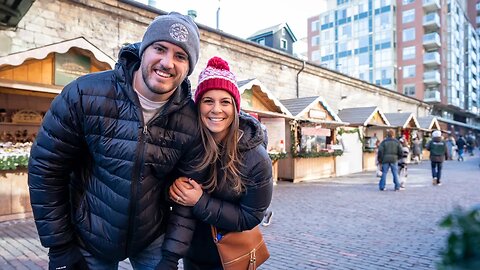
(163, 68)
(217, 112)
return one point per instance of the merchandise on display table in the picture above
(14, 155)
(18, 136)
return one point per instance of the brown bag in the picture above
(241, 250)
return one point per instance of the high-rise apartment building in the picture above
(427, 49)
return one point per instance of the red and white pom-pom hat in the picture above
(217, 76)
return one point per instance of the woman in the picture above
(239, 188)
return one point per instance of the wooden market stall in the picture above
(312, 143)
(29, 81)
(360, 140)
(258, 101)
(427, 125)
(405, 125)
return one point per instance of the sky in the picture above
(244, 18)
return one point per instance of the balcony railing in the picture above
(431, 41)
(432, 96)
(431, 21)
(431, 59)
(431, 5)
(431, 77)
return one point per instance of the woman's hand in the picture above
(185, 191)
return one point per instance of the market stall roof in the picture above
(402, 120)
(364, 116)
(429, 123)
(16, 59)
(449, 121)
(313, 109)
(257, 98)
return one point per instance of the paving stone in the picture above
(336, 223)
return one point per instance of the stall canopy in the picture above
(313, 109)
(402, 120)
(256, 98)
(48, 68)
(428, 123)
(456, 123)
(364, 116)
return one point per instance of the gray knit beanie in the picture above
(175, 28)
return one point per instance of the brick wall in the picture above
(109, 23)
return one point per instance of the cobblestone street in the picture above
(336, 223)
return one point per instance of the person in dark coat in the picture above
(239, 189)
(389, 152)
(438, 154)
(99, 167)
(461, 144)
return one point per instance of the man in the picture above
(438, 153)
(99, 167)
(389, 151)
(461, 143)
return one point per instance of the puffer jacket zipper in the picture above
(136, 177)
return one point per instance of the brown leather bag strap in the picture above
(214, 233)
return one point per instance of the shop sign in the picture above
(317, 114)
(316, 131)
(70, 66)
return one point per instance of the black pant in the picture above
(437, 170)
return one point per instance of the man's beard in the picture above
(151, 87)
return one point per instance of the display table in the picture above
(14, 194)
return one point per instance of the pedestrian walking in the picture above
(239, 188)
(417, 150)
(389, 152)
(451, 146)
(402, 163)
(461, 144)
(98, 169)
(438, 154)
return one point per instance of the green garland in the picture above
(277, 156)
(335, 153)
(13, 162)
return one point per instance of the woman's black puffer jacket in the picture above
(97, 172)
(229, 211)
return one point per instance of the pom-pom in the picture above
(218, 63)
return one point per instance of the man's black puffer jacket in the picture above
(234, 212)
(97, 172)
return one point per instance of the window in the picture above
(408, 53)
(326, 34)
(341, 14)
(315, 25)
(408, 34)
(383, 21)
(315, 40)
(406, 2)
(409, 90)
(408, 16)
(283, 32)
(283, 44)
(326, 19)
(409, 71)
(363, 41)
(346, 31)
(363, 59)
(261, 41)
